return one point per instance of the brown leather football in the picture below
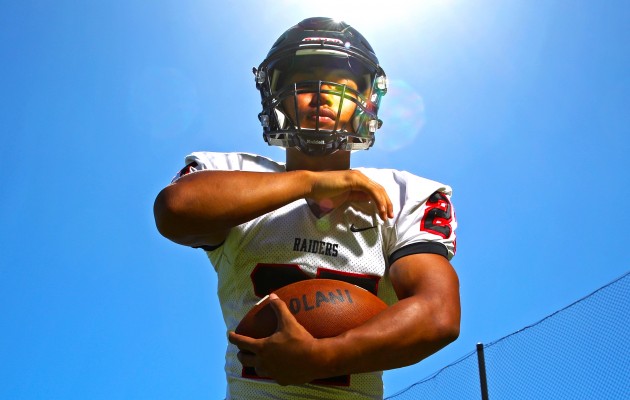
(325, 307)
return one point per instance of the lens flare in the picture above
(403, 115)
(323, 224)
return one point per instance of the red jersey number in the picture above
(438, 216)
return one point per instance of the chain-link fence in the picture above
(579, 352)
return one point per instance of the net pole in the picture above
(482, 372)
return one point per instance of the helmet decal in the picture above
(323, 39)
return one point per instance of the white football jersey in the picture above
(350, 243)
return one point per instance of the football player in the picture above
(265, 224)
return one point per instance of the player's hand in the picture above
(287, 356)
(338, 186)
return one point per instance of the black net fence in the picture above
(579, 352)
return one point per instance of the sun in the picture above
(368, 16)
(371, 11)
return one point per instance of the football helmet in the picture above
(328, 44)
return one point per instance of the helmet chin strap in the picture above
(311, 141)
(319, 143)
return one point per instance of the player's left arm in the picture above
(425, 319)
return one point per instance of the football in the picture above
(325, 307)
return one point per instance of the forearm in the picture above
(209, 203)
(200, 208)
(425, 319)
(402, 335)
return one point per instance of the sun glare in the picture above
(384, 15)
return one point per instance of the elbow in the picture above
(442, 330)
(178, 219)
(449, 333)
(166, 211)
(447, 327)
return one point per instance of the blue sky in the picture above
(522, 107)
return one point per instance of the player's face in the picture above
(308, 111)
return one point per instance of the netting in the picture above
(579, 352)
(459, 380)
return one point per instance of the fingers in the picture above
(283, 314)
(381, 199)
(248, 347)
(375, 193)
(246, 358)
(250, 360)
(244, 343)
(329, 185)
(384, 205)
(389, 208)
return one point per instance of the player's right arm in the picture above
(200, 208)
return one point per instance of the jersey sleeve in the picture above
(426, 221)
(199, 161)
(214, 161)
